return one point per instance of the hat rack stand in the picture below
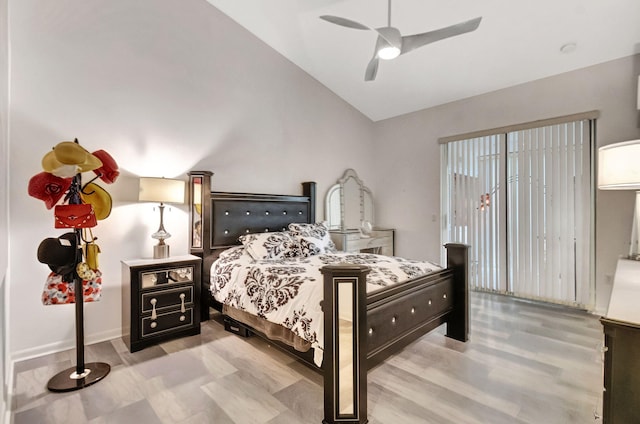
(83, 374)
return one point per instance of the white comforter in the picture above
(288, 291)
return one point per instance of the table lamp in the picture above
(163, 190)
(619, 169)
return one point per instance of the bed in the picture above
(359, 330)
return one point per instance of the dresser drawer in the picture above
(166, 298)
(378, 241)
(167, 322)
(370, 243)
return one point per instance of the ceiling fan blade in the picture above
(356, 25)
(372, 69)
(412, 42)
(344, 22)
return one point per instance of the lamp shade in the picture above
(619, 166)
(162, 190)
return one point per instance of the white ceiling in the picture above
(517, 41)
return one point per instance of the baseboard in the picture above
(63, 345)
(7, 402)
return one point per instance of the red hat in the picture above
(108, 172)
(48, 187)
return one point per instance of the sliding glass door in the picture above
(523, 200)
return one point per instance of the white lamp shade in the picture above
(619, 166)
(163, 190)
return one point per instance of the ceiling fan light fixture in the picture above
(388, 52)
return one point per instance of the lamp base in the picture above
(160, 251)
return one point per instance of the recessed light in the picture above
(568, 48)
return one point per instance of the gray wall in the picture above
(169, 86)
(166, 87)
(408, 178)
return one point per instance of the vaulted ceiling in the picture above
(517, 42)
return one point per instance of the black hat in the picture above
(59, 253)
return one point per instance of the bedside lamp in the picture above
(619, 169)
(161, 190)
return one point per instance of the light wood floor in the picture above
(525, 363)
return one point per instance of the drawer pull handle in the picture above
(370, 331)
(413, 310)
(444, 296)
(182, 318)
(182, 309)
(429, 301)
(154, 324)
(393, 320)
(153, 308)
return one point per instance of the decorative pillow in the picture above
(313, 239)
(270, 245)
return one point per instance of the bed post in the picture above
(309, 190)
(344, 362)
(199, 243)
(458, 261)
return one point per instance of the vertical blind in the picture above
(474, 175)
(549, 197)
(523, 200)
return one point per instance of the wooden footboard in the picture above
(382, 324)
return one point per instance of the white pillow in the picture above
(313, 239)
(275, 245)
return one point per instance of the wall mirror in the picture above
(349, 203)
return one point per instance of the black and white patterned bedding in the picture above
(288, 291)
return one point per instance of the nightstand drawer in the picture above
(167, 322)
(166, 298)
(160, 277)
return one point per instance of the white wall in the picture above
(165, 86)
(409, 175)
(4, 199)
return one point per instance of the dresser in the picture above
(621, 396)
(379, 241)
(160, 299)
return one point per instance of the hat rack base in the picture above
(68, 380)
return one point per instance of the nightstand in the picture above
(160, 299)
(379, 241)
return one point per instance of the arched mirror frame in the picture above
(348, 203)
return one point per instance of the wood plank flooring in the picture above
(525, 363)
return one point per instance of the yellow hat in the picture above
(67, 156)
(98, 198)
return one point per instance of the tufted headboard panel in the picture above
(234, 214)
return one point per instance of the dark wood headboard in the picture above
(226, 216)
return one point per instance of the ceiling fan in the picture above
(391, 44)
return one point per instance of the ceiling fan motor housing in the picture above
(391, 43)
